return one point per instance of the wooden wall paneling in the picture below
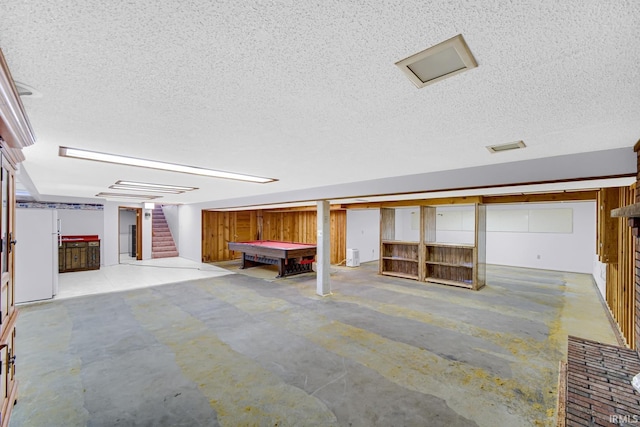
(229, 217)
(626, 262)
(242, 228)
(266, 226)
(219, 236)
(311, 225)
(207, 236)
(218, 228)
(607, 234)
(338, 237)
(626, 257)
(259, 225)
(288, 227)
(617, 244)
(276, 226)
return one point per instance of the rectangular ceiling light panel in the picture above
(506, 147)
(154, 186)
(438, 62)
(152, 164)
(150, 190)
(127, 196)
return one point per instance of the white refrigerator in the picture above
(36, 254)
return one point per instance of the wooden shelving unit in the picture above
(449, 264)
(401, 259)
(453, 264)
(397, 258)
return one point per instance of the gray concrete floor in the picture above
(239, 350)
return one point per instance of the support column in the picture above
(323, 261)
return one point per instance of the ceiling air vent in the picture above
(505, 147)
(26, 91)
(438, 62)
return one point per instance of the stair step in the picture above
(155, 245)
(164, 254)
(163, 249)
(162, 243)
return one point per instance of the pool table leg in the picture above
(281, 268)
(247, 261)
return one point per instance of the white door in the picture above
(34, 254)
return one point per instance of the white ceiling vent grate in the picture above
(506, 147)
(438, 62)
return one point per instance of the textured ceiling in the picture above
(307, 92)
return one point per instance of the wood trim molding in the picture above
(15, 128)
(466, 200)
(14, 155)
(570, 196)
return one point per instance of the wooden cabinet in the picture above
(426, 259)
(8, 384)
(8, 312)
(93, 255)
(79, 253)
(15, 134)
(75, 256)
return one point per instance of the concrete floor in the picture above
(239, 350)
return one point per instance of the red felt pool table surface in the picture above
(277, 245)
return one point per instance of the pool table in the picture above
(291, 258)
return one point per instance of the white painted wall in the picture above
(363, 233)
(146, 232)
(600, 276)
(551, 251)
(109, 244)
(171, 214)
(558, 251)
(81, 222)
(190, 232)
(111, 251)
(466, 234)
(127, 219)
(77, 222)
(408, 224)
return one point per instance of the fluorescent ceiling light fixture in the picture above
(151, 190)
(158, 186)
(506, 147)
(127, 196)
(438, 62)
(152, 164)
(149, 205)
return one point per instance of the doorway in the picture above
(129, 234)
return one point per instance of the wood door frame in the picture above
(138, 212)
(8, 277)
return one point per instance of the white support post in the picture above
(323, 262)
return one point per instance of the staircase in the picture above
(162, 244)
